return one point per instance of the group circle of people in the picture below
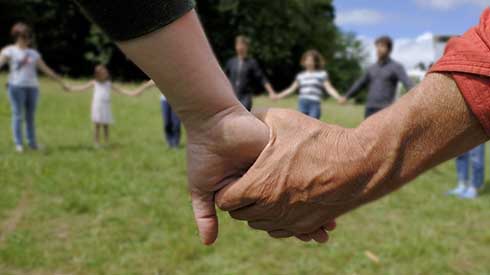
(243, 71)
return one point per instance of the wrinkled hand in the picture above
(308, 175)
(219, 153)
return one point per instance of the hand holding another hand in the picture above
(343, 100)
(219, 153)
(309, 174)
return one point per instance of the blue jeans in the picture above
(311, 108)
(171, 125)
(23, 101)
(476, 159)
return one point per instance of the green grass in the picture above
(125, 210)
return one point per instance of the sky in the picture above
(412, 23)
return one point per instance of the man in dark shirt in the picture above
(382, 78)
(244, 72)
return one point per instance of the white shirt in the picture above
(23, 66)
(102, 92)
(163, 98)
(311, 84)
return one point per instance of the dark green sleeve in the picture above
(129, 19)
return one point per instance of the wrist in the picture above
(225, 128)
(381, 151)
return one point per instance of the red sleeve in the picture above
(467, 58)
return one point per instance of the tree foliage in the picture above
(280, 30)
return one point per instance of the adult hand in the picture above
(309, 174)
(220, 152)
(65, 86)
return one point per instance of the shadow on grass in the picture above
(486, 189)
(74, 148)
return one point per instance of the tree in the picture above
(280, 30)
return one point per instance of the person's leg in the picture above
(17, 99)
(106, 133)
(175, 128)
(315, 109)
(462, 170)
(476, 159)
(303, 106)
(32, 95)
(167, 122)
(97, 134)
(371, 111)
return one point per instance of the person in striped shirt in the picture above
(312, 83)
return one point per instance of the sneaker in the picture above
(458, 191)
(470, 193)
(19, 149)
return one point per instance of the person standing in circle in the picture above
(244, 71)
(23, 84)
(381, 78)
(311, 83)
(171, 122)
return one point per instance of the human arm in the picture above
(141, 89)
(80, 88)
(356, 88)
(120, 90)
(260, 76)
(348, 168)
(43, 67)
(290, 90)
(403, 77)
(331, 90)
(223, 138)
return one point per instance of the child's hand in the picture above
(342, 100)
(276, 97)
(66, 87)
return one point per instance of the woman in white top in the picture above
(23, 84)
(312, 83)
(101, 100)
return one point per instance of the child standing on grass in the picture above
(101, 101)
(312, 83)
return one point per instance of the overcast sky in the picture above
(411, 22)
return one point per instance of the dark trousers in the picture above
(246, 100)
(171, 125)
(371, 111)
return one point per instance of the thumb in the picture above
(205, 216)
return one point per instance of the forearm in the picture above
(423, 129)
(49, 72)
(269, 89)
(333, 92)
(169, 56)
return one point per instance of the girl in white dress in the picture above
(101, 101)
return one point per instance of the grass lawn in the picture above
(71, 209)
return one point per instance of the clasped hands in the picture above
(309, 174)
